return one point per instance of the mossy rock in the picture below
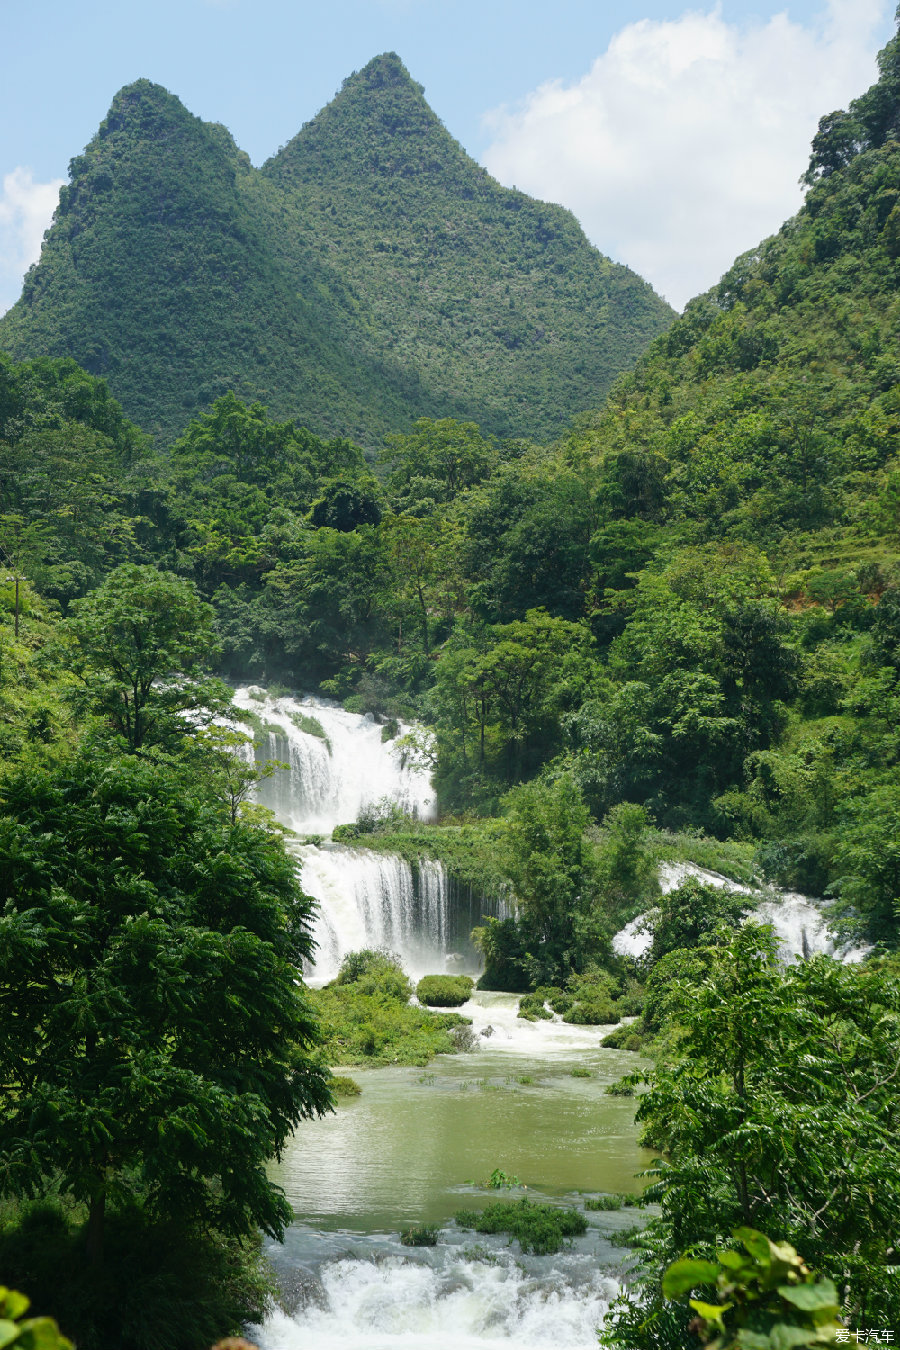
(444, 991)
(591, 1014)
(533, 1009)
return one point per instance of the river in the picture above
(417, 1144)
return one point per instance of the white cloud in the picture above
(26, 208)
(682, 145)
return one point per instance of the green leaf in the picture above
(731, 1260)
(14, 1304)
(683, 1276)
(810, 1297)
(784, 1337)
(757, 1244)
(711, 1312)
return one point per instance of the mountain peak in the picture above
(386, 71)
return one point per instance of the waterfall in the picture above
(331, 778)
(798, 923)
(366, 898)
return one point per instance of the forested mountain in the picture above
(491, 296)
(369, 274)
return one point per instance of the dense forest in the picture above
(673, 630)
(370, 273)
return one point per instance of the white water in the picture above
(444, 1299)
(799, 924)
(366, 898)
(328, 783)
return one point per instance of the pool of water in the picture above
(417, 1146)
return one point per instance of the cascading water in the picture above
(799, 925)
(338, 766)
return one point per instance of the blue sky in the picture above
(672, 131)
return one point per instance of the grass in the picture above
(419, 1236)
(541, 1229)
(366, 1017)
(611, 1202)
(728, 856)
(311, 726)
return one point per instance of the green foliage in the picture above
(541, 1229)
(776, 1110)
(341, 1086)
(139, 635)
(156, 1037)
(500, 1180)
(444, 991)
(532, 1008)
(610, 1202)
(691, 914)
(375, 971)
(420, 1236)
(366, 1017)
(768, 1298)
(33, 1333)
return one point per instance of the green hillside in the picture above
(370, 274)
(497, 300)
(157, 275)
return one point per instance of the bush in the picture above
(532, 1008)
(592, 1014)
(344, 1087)
(541, 1229)
(365, 1017)
(375, 971)
(444, 991)
(420, 1236)
(610, 1202)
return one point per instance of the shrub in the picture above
(541, 1229)
(592, 1014)
(623, 1038)
(444, 991)
(375, 971)
(419, 1236)
(464, 1039)
(610, 1202)
(532, 1008)
(344, 1087)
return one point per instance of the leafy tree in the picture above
(140, 634)
(156, 1042)
(553, 873)
(691, 915)
(778, 1110)
(767, 1297)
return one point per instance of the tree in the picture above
(553, 874)
(140, 634)
(156, 1043)
(779, 1111)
